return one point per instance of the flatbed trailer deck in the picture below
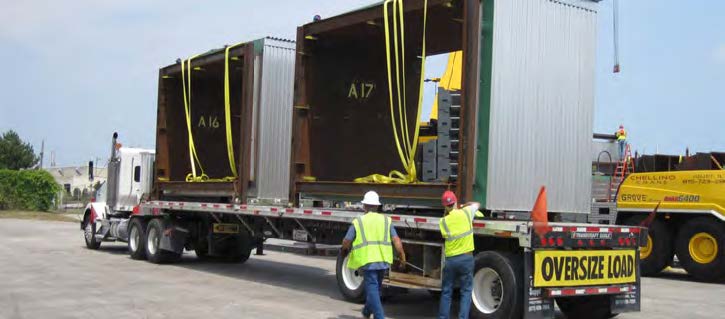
(515, 242)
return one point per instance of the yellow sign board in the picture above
(225, 228)
(565, 268)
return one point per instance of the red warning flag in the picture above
(651, 217)
(539, 215)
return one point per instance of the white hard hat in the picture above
(371, 198)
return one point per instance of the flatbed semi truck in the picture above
(281, 139)
(586, 269)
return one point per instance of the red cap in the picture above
(448, 198)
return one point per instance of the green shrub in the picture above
(28, 189)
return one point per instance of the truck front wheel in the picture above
(137, 239)
(658, 252)
(349, 281)
(89, 233)
(497, 286)
(701, 248)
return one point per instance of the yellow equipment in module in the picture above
(689, 223)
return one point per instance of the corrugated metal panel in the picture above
(275, 119)
(542, 104)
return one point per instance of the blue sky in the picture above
(75, 71)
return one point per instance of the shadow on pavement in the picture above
(281, 274)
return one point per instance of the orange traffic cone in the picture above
(539, 215)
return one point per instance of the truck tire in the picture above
(350, 282)
(234, 249)
(201, 249)
(658, 252)
(89, 234)
(701, 248)
(497, 285)
(137, 239)
(154, 253)
(586, 307)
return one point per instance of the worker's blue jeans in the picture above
(457, 268)
(373, 280)
(622, 144)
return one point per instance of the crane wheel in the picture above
(701, 248)
(658, 252)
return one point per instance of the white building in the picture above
(75, 180)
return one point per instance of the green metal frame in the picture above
(484, 103)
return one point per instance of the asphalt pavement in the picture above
(46, 272)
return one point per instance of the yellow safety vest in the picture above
(372, 241)
(457, 230)
(621, 135)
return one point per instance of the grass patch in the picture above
(17, 214)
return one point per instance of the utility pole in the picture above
(42, 153)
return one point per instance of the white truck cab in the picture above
(130, 176)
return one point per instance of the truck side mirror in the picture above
(90, 170)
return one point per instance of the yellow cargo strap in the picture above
(186, 86)
(407, 150)
(193, 157)
(228, 113)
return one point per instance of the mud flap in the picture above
(536, 305)
(174, 239)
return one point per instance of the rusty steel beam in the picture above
(361, 16)
(469, 94)
(403, 191)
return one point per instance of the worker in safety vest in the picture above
(621, 135)
(370, 240)
(457, 230)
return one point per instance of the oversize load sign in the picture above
(559, 268)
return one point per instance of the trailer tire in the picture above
(586, 307)
(500, 274)
(137, 239)
(236, 249)
(89, 233)
(154, 253)
(658, 253)
(701, 248)
(349, 282)
(201, 249)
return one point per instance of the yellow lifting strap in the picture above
(193, 157)
(186, 86)
(408, 147)
(228, 113)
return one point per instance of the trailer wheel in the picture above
(89, 234)
(349, 281)
(658, 252)
(234, 249)
(201, 249)
(497, 286)
(587, 307)
(701, 248)
(154, 253)
(137, 239)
